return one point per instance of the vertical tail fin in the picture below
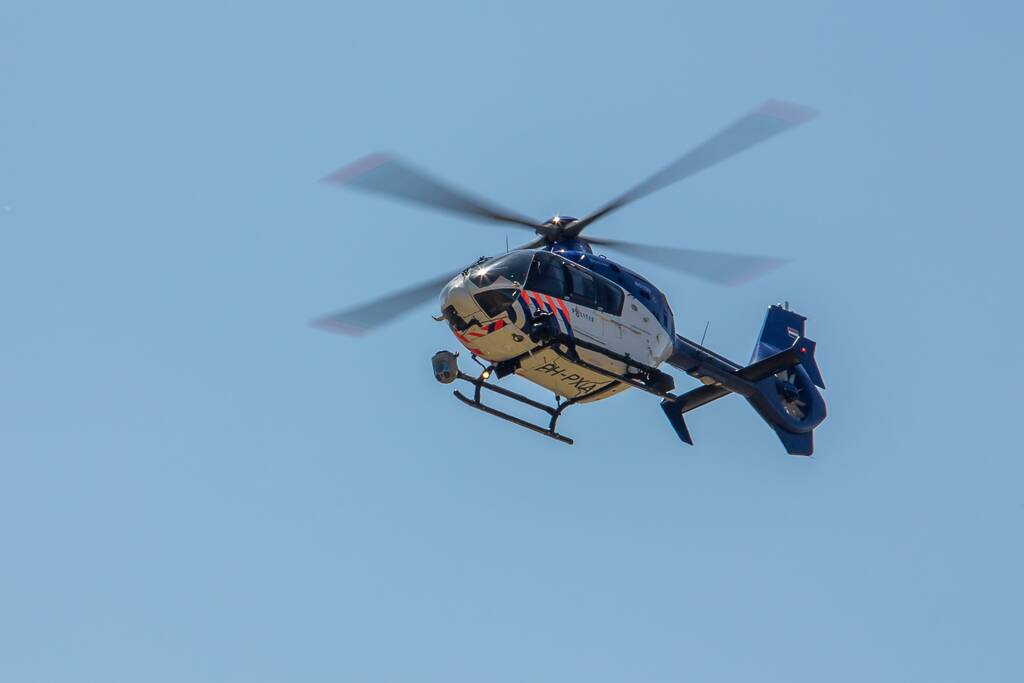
(786, 400)
(782, 327)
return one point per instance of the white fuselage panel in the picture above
(635, 333)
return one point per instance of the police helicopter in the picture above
(587, 328)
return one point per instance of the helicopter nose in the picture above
(458, 295)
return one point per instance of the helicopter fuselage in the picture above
(492, 306)
(583, 326)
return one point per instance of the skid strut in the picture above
(480, 383)
(446, 371)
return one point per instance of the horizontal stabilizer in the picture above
(800, 353)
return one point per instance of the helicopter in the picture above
(586, 327)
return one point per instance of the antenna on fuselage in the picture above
(704, 336)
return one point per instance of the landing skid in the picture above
(446, 371)
(481, 383)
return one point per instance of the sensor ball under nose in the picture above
(446, 366)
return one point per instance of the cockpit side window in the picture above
(547, 275)
(552, 275)
(609, 297)
(583, 290)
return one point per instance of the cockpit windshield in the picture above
(513, 266)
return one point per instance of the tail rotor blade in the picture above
(768, 120)
(717, 267)
(384, 174)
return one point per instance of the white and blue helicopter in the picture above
(587, 328)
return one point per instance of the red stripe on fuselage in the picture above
(565, 311)
(466, 343)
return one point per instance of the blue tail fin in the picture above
(782, 327)
(787, 399)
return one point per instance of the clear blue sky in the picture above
(197, 486)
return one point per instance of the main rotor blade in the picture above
(714, 266)
(366, 317)
(384, 174)
(768, 120)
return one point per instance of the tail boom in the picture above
(779, 382)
